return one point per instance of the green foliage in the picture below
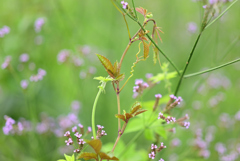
(68, 158)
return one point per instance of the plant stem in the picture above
(211, 69)
(94, 111)
(119, 136)
(219, 16)
(134, 9)
(119, 108)
(123, 55)
(187, 63)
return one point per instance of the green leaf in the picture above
(149, 134)
(161, 76)
(145, 49)
(134, 125)
(61, 160)
(87, 156)
(160, 131)
(103, 79)
(96, 144)
(107, 64)
(69, 158)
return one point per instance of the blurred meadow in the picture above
(82, 28)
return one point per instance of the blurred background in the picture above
(47, 82)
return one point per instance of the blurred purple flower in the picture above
(192, 27)
(4, 30)
(24, 58)
(38, 24)
(176, 142)
(24, 84)
(5, 64)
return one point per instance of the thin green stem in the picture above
(211, 69)
(219, 16)
(134, 9)
(187, 63)
(94, 111)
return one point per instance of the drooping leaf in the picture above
(105, 156)
(145, 49)
(134, 125)
(107, 64)
(155, 54)
(136, 106)
(87, 156)
(96, 144)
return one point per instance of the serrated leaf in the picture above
(136, 106)
(96, 144)
(160, 131)
(149, 134)
(105, 156)
(134, 125)
(107, 64)
(87, 156)
(145, 49)
(139, 112)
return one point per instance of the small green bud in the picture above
(149, 15)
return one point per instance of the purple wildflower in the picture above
(124, 4)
